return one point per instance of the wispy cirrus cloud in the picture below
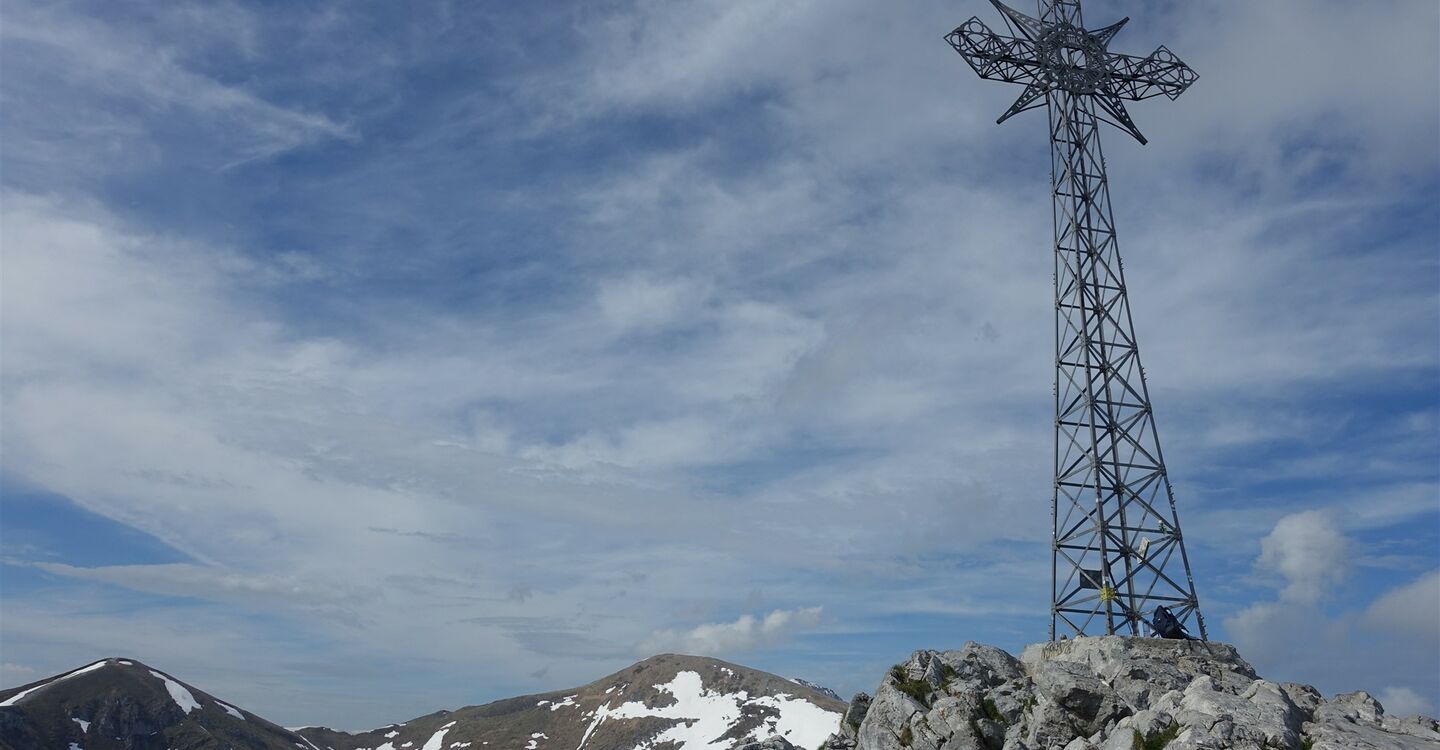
(93, 86)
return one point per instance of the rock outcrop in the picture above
(1111, 693)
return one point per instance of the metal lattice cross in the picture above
(1117, 552)
(1056, 53)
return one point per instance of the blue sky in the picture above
(360, 362)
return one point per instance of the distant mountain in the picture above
(670, 701)
(817, 688)
(122, 704)
(1102, 693)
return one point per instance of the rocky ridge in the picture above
(1108, 693)
(1111, 693)
(124, 704)
(667, 702)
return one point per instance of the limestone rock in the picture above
(1356, 720)
(1080, 693)
(888, 718)
(855, 714)
(1116, 693)
(977, 667)
(774, 743)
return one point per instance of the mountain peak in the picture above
(679, 700)
(113, 701)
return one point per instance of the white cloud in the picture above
(1310, 552)
(688, 52)
(640, 302)
(1411, 610)
(1402, 701)
(745, 634)
(1302, 636)
(16, 672)
(1268, 68)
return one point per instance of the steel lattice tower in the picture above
(1117, 551)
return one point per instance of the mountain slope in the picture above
(121, 703)
(666, 702)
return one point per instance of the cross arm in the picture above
(1137, 78)
(993, 56)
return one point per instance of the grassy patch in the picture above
(992, 712)
(947, 675)
(906, 736)
(1158, 740)
(917, 689)
(1306, 743)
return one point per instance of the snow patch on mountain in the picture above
(568, 700)
(178, 693)
(229, 709)
(703, 717)
(801, 722)
(437, 740)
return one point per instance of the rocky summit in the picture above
(1111, 693)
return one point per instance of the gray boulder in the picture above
(855, 714)
(976, 667)
(774, 743)
(1259, 716)
(1356, 720)
(1081, 693)
(1141, 669)
(888, 719)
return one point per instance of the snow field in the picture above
(702, 716)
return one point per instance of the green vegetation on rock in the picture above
(917, 689)
(1158, 740)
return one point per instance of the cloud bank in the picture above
(359, 347)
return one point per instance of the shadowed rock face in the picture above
(121, 703)
(1113, 693)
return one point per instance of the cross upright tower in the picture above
(1117, 552)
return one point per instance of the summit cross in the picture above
(1118, 560)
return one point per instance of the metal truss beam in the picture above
(1117, 549)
